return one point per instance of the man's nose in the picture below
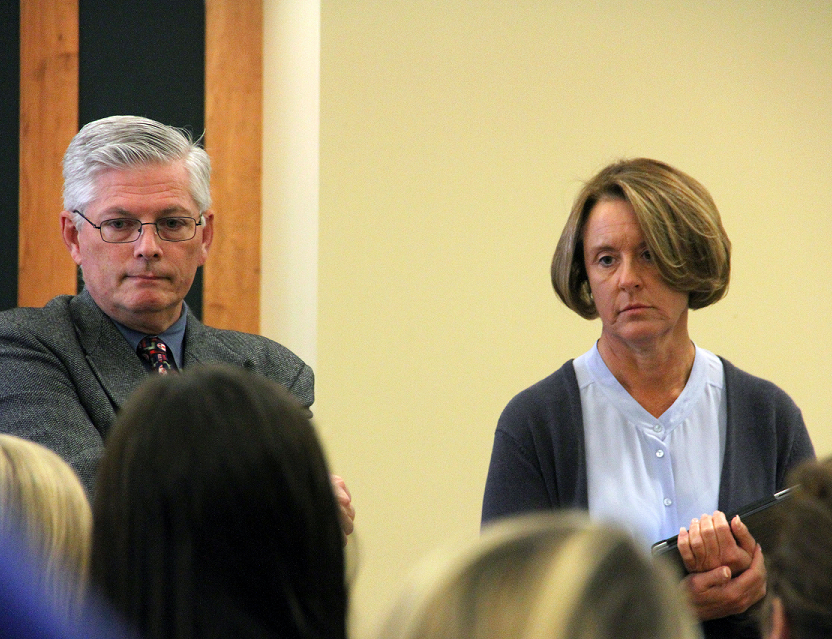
(148, 244)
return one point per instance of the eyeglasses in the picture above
(124, 230)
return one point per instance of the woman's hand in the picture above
(712, 542)
(715, 593)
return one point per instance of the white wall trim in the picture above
(291, 115)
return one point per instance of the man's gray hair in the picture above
(125, 142)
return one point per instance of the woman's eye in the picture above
(605, 260)
(647, 255)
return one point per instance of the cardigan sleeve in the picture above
(538, 460)
(515, 482)
(766, 439)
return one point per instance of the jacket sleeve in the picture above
(204, 344)
(40, 401)
(303, 385)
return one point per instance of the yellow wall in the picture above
(453, 137)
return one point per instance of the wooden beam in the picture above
(233, 139)
(48, 120)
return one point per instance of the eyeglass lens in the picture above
(172, 229)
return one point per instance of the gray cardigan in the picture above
(65, 370)
(539, 462)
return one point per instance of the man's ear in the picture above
(207, 234)
(69, 232)
(779, 621)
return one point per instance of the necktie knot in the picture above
(155, 352)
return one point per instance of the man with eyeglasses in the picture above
(138, 223)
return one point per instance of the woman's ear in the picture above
(779, 622)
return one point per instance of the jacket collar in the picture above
(111, 359)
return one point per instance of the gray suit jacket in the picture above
(65, 370)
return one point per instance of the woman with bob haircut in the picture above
(43, 501)
(542, 576)
(214, 514)
(647, 429)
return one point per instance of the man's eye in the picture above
(118, 225)
(172, 223)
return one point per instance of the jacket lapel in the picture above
(111, 359)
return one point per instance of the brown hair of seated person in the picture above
(214, 514)
(42, 499)
(800, 566)
(542, 576)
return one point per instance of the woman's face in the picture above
(637, 308)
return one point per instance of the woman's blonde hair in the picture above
(542, 576)
(42, 499)
(681, 226)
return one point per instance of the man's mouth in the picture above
(146, 277)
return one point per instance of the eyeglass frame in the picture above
(198, 222)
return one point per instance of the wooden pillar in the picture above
(233, 139)
(48, 120)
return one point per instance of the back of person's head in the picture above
(129, 142)
(214, 514)
(542, 576)
(800, 566)
(42, 499)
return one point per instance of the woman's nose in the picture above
(629, 275)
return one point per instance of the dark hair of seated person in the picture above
(800, 564)
(214, 514)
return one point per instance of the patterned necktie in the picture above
(154, 351)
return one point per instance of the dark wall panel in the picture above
(144, 58)
(9, 150)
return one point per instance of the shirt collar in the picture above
(174, 336)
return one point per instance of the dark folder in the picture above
(762, 518)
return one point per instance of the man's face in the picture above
(140, 284)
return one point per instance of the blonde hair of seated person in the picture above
(542, 576)
(42, 499)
